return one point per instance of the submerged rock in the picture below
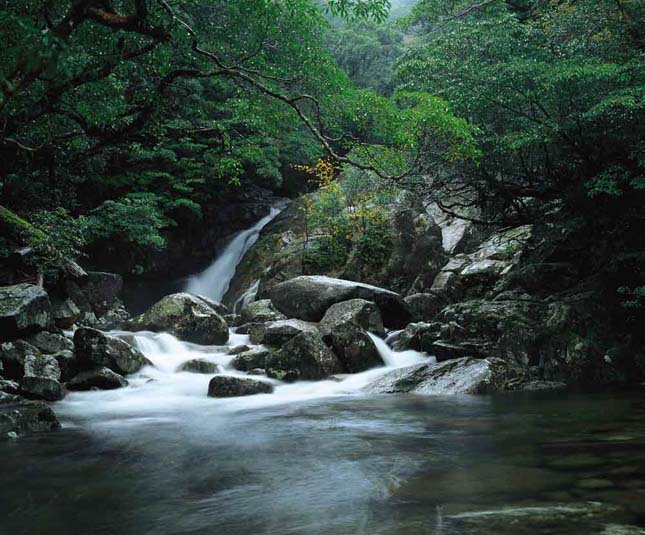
(101, 378)
(96, 349)
(458, 376)
(261, 311)
(278, 333)
(305, 358)
(19, 416)
(42, 378)
(199, 366)
(309, 297)
(358, 312)
(23, 308)
(253, 359)
(225, 386)
(188, 317)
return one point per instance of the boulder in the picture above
(306, 358)
(42, 378)
(97, 293)
(309, 297)
(187, 317)
(278, 333)
(50, 343)
(96, 349)
(19, 416)
(199, 366)
(100, 378)
(261, 311)
(67, 364)
(65, 313)
(223, 386)
(459, 376)
(238, 349)
(249, 360)
(354, 347)
(256, 371)
(358, 312)
(9, 387)
(424, 306)
(13, 355)
(23, 308)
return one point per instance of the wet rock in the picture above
(199, 366)
(96, 349)
(305, 358)
(186, 316)
(238, 349)
(354, 347)
(417, 336)
(9, 387)
(100, 378)
(67, 364)
(278, 333)
(424, 306)
(261, 311)
(223, 386)
(252, 359)
(65, 313)
(19, 416)
(541, 386)
(357, 312)
(309, 297)
(458, 376)
(50, 343)
(23, 308)
(256, 371)
(96, 294)
(42, 378)
(13, 355)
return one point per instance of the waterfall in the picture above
(246, 297)
(215, 280)
(397, 359)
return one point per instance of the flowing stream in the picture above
(161, 458)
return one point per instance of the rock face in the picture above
(101, 378)
(42, 378)
(260, 311)
(358, 312)
(223, 386)
(309, 297)
(95, 349)
(251, 360)
(97, 293)
(278, 333)
(186, 316)
(23, 308)
(305, 358)
(19, 416)
(457, 376)
(199, 366)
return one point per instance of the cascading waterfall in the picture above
(215, 280)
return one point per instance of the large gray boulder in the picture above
(19, 417)
(23, 308)
(251, 360)
(49, 342)
(186, 316)
(260, 311)
(424, 306)
(308, 298)
(97, 293)
(306, 358)
(278, 333)
(96, 349)
(457, 376)
(354, 347)
(358, 312)
(100, 378)
(42, 378)
(13, 355)
(225, 386)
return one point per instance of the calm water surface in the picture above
(521, 464)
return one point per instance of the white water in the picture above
(246, 297)
(215, 280)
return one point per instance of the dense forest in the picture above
(322, 266)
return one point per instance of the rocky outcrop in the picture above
(23, 308)
(99, 379)
(457, 376)
(260, 311)
(42, 378)
(199, 366)
(358, 312)
(19, 417)
(309, 297)
(424, 306)
(95, 349)
(224, 386)
(251, 360)
(188, 317)
(278, 333)
(303, 358)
